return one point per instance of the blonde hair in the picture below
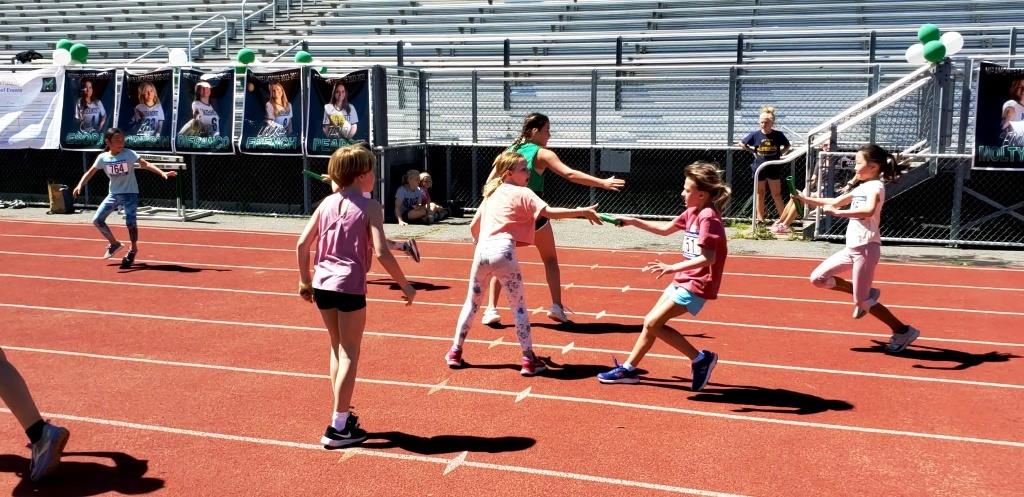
(503, 165)
(142, 89)
(285, 106)
(769, 111)
(412, 174)
(708, 178)
(348, 163)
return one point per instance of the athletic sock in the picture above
(700, 357)
(35, 432)
(338, 420)
(628, 366)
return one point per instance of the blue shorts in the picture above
(130, 202)
(683, 297)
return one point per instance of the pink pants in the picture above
(862, 259)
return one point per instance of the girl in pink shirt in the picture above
(863, 242)
(342, 228)
(695, 279)
(504, 221)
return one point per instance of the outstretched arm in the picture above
(663, 229)
(144, 164)
(383, 253)
(551, 161)
(85, 179)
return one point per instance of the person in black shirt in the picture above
(767, 144)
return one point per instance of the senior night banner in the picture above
(338, 112)
(999, 129)
(272, 114)
(88, 108)
(146, 110)
(205, 119)
(30, 109)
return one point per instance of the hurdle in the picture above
(179, 212)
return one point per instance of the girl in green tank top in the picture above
(532, 145)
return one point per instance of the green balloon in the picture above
(65, 44)
(928, 32)
(240, 69)
(246, 56)
(323, 70)
(303, 57)
(934, 51)
(79, 52)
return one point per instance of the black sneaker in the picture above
(128, 260)
(352, 435)
(702, 370)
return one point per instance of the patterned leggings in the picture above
(495, 257)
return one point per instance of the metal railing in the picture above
(244, 19)
(225, 32)
(154, 49)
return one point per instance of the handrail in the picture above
(289, 49)
(145, 54)
(812, 142)
(245, 18)
(648, 35)
(854, 108)
(226, 39)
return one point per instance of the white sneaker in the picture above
(858, 313)
(491, 317)
(557, 313)
(900, 341)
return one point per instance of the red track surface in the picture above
(200, 372)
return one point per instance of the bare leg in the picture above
(776, 187)
(494, 291)
(759, 207)
(545, 241)
(654, 327)
(346, 333)
(16, 395)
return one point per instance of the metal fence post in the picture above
(958, 193)
(423, 106)
(593, 131)
(872, 46)
(379, 103)
(944, 109)
(873, 84)
(195, 181)
(474, 155)
(1013, 47)
(85, 169)
(506, 87)
(400, 57)
(965, 106)
(618, 74)
(474, 104)
(304, 91)
(731, 124)
(448, 171)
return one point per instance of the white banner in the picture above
(30, 108)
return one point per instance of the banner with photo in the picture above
(272, 113)
(338, 112)
(88, 108)
(205, 118)
(30, 107)
(999, 126)
(146, 110)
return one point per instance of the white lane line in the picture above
(498, 341)
(538, 310)
(437, 388)
(463, 280)
(385, 455)
(569, 346)
(456, 462)
(519, 396)
(564, 248)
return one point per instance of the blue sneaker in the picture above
(619, 374)
(702, 370)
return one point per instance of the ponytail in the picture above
(887, 163)
(708, 178)
(533, 122)
(503, 165)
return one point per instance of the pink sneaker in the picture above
(532, 367)
(780, 229)
(454, 357)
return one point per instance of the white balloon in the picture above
(61, 57)
(915, 54)
(953, 41)
(177, 57)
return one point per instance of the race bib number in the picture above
(690, 247)
(858, 201)
(117, 168)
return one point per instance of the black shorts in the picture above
(540, 223)
(344, 302)
(771, 172)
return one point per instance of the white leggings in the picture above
(495, 257)
(862, 260)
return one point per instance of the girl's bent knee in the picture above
(823, 281)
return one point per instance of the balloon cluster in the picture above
(933, 48)
(69, 52)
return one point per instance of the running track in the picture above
(200, 372)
